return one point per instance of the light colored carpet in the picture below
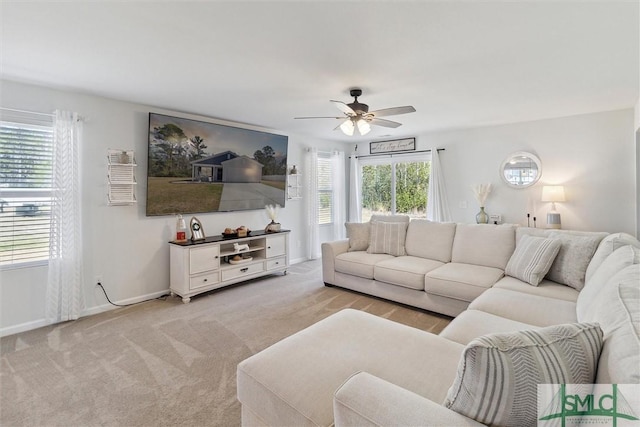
(165, 363)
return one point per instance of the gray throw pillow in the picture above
(387, 238)
(532, 259)
(570, 266)
(358, 234)
(498, 374)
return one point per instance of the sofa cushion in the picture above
(607, 246)
(461, 281)
(498, 374)
(358, 234)
(292, 382)
(387, 238)
(617, 310)
(406, 271)
(526, 308)
(358, 263)
(471, 324)
(546, 288)
(617, 261)
(532, 259)
(432, 240)
(570, 266)
(483, 244)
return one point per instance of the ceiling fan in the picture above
(357, 115)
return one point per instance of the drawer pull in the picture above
(268, 247)
(277, 262)
(244, 270)
(206, 280)
(216, 257)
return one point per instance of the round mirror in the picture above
(521, 170)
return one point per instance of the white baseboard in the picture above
(297, 261)
(35, 324)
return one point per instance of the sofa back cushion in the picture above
(570, 266)
(484, 244)
(607, 246)
(431, 240)
(498, 374)
(617, 310)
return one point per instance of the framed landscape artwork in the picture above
(196, 167)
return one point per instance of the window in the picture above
(394, 186)
(26, 150)
(325, 189)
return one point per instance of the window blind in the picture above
(26, 151)
(325, 191)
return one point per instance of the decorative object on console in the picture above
(521, 170)
(181, 229)
(553, 194)
(272, 212)
(481, 192)
(197, 232)
(239, 248)
(293, 170)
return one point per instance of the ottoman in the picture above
(293, 381)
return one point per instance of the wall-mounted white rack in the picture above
(121, 178)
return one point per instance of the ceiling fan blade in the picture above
(344, 108)
(385, 123)
(393, 111)
(339, 118)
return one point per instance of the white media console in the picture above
(197, 267)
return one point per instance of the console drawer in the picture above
(204, 258)
(196, 282)
(242, 270)
(276, 263)
(276, 246)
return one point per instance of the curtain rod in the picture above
(25, 111)
(398, 154)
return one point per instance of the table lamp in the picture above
(553, 194)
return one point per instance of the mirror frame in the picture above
(531, 156)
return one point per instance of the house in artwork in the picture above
(226, 167)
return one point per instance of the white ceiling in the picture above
(460, 64)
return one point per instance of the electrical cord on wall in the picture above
(161, 297)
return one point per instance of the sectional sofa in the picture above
(531, 307)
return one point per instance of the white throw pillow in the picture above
(498, 374)
(607, 246)
(532, 259)
(617, 261)
(387, 238)
(358, 234)
(570, 266)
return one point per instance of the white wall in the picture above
(592, 155)
(123, 246)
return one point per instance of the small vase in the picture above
(293, 171)
(272, 227)
(482, 217)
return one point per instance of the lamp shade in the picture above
(347, 127)
(553, 193)
(363, 127)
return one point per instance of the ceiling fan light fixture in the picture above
(363, 127)
(347, 127)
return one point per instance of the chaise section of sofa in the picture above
(356, 369)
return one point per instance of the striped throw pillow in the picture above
(532, 259)
(387, 238)
(498, 374)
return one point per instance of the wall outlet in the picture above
(495, 219)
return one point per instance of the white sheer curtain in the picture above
(437, 205)
(339, 183)
(311, 168)
(64, 295)
(355, 208)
